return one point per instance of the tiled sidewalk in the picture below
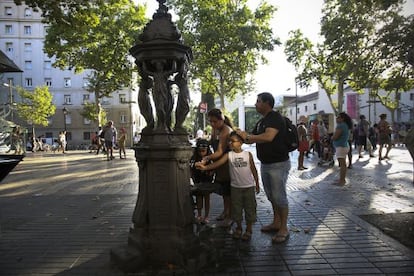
(61, 215)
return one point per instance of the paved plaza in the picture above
(61, 214)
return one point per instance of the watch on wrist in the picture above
(247, 137)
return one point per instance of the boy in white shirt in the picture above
(244, 183)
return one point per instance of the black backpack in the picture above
(102, 135)
(292, 138)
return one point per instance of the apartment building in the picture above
(22, 35)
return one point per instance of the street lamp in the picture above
(65, 112)
(296, 101)
(10, 102)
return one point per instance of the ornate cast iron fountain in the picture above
(162, 231)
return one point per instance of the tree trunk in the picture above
(340, 95)
(98, 107)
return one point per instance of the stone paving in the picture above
(62, 214)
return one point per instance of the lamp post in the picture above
(296, 101)
(10, 102)
(65, 112)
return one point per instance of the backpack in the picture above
(102, 135)
(292, 138)
(361, 130)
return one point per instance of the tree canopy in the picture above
(94, 35)
(360, 47)
(228, 39)
(97, 36)
(36, 106)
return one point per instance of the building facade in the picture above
(317, 105)
(22, 36)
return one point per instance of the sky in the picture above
(278, 76)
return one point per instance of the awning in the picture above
(7, 65)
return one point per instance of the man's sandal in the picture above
(247, 236)
(280, 238)
(237, 234)
(269, 228)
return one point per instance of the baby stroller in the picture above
(327, 157)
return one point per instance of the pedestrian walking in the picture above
(384, 137)
(363, 135)
(110, 134)
(122, 142)
(350, 140)
(244, 183)
(409, 143)
(316, 137)
(303, 145)
(340, 141)
(269, 135)
(62, 141)
(101, 141)
(373, 133)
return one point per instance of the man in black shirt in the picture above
(273, 153)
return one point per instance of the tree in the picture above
(396, 49)
(347, 30)
(227, 39)
(91, 113)
(54, 9)
(350, 53)
(94, 35)
(36, 106)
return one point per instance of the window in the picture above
(314, 106)
(27, 30)
(28, 47)
(86, 121)
(48, 64)
(28, 82)
(105, 101)
(411, 96)
(68, 119)
(27, 12)
(122, 98)
(8, 11)
(48, 82)
(306, 108)
(67, 99)
(298, 110)
(123, 118)
(85, 82)
(9, 47)
(28, 65)
(87, 136)
(9, 29)
(67, 82)
(85, 98)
